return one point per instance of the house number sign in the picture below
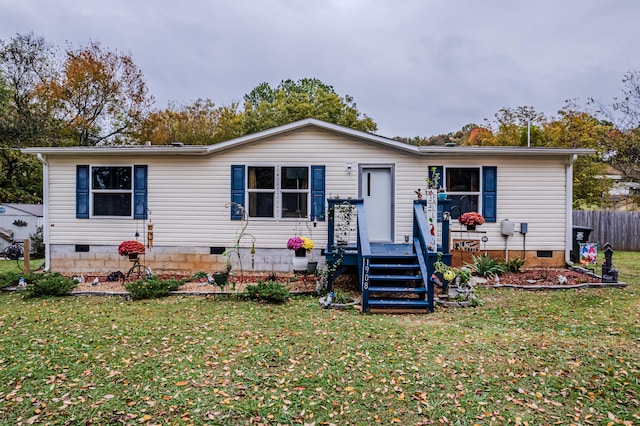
(431, 213)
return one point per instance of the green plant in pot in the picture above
(221, 278)
(459, 281)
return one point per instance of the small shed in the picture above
(19, 221)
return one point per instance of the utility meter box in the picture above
(506, 227)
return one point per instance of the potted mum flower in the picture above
(131, 249)
(301, 246)
(471, 220)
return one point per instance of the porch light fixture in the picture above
(348, 167)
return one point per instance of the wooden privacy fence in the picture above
(621, 229)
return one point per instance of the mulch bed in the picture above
(295, 283)
(549, 279)
(534, 279)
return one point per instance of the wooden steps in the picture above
(396, 283)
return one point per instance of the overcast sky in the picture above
(416, 67)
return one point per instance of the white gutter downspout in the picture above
(45, 219)
(569, 210)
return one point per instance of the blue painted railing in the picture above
(341, 256)
(427, 259)
(364, 255)
(420, 231)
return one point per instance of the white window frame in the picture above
(278, 191)
(93, 190)
(478, 193)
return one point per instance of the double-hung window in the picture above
(295, 192)
(463, 188)
(469, 189)
(111, 190)
(278, 191)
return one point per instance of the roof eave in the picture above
(365, 137)
(110, 150)
(502, 150)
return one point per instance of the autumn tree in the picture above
(626, 142)
(575, 128)
(266, 107)
(481, 136)
(627, 107)
(627, 153)
(199, 123)
(20, 175)
(89, 96)
(515, 124)
(416, 140)
(100, 95)
(25, 62)
(572, 128)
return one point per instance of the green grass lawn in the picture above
(563, 357)
(12, 265)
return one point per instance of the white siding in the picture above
(187, 196)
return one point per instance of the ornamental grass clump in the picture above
(514, 264)
(487, 267)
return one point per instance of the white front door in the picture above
(376, 189)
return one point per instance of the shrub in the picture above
(11, 278)
(151, 288)
(37, 243)
(198, 275)
(488, 267)
(173, 284)
(513, 265)
(54, 284)
(268, 291)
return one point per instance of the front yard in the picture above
(546, 357)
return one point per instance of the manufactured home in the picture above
(191, 204)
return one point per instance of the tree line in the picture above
(90, 95)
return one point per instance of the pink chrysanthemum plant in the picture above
(297, 243)
(471, 219)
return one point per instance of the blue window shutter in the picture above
(317, 193)
(139, 192)
(237, 192)
(439, 170)
(82, 192)
(489, 192)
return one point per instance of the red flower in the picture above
(129, 247)
(471, 218)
